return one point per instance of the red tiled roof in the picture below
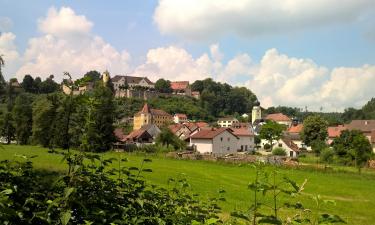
(278, 117)
(136, 134)
(201, 124)
(175, 127)
(181, 115)
(242, 132)
(335, 131)
(296, 129)
(156, 112)
(211, 133)
(179, 85)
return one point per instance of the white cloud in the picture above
(201, 19)
(281, 80)
(9, 52)
(67, 44)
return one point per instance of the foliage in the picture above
(352, 147)
(222, 99)
(267, 190)
(271, 131)
(167, 137)
(163, 86)
(92, 194)
(317, 146)
(314, 129)
(279, 151)
(2, 80)
(22, 113)
(327, 156)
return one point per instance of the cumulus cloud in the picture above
(67, 44)
(201, 19)
(9, 53)
(176, 63)
(283, 80)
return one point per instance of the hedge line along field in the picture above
(353, 193)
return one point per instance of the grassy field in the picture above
(353, 193)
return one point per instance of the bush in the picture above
(267, 146)
(279, 151)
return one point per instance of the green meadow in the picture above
(353, 193)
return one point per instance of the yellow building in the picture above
(151, 116)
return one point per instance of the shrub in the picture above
(267, 146)
(279, 151)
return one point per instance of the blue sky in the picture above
(285, 47)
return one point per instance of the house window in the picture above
(291, 153)
(221, 139)
(228, 148)
(228, 139)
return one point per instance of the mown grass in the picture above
(353, 193)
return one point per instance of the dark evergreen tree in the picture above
(22, 114)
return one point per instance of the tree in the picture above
(98, 129)
(7, 129)
(314, 129)
(326, 156)
(317, 146)
(28, 84)
(166, 137)
(44, 120)
(92, 75)
(2, 80)
(22, 114)
(163, 86)
(49, 85)
(271, 131)
(353, 146)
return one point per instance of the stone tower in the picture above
(256, 113)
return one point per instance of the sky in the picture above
(314, 53)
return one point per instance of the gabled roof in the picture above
(362, 125)
(335, 131)
(131, 79)
(154, 112)
(278, 117)
(179, 85)
(175, 127)
(140, 133)
(296, 129)
(227, 119)
(201, 124)
(246, 132)
(211, 133)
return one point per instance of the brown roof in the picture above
(175, 127)
(289, 142)
(278, 117)
(296, 129)
(242, 132)
(335, 131)
(211, 133)
(201, 124)
(156, 112)
(362, 125)
(179, 85)
(131, 79)
(137, 134)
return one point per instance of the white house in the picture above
(180, 118)
(219, 141)
(120, 81)
(227, 121)
(246, 138)
(290, 147)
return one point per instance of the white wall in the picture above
(246, 141)
(202, 145)
(224, 143)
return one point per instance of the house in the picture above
(219, 141)
(367, 127)
(185, 130)
(292, 150)
(152, 129)
(180, 118)
(181, 88)
(245, 115)
(334, 132)
(227, 121)
(140, 136)
(196, 94)
(151, 116)
(280, 119)
(245, 139)
(294, 133)
(121, 82)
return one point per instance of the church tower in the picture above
(105, 77)
(256, 113)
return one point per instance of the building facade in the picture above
(227, 121)
(151, 116)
